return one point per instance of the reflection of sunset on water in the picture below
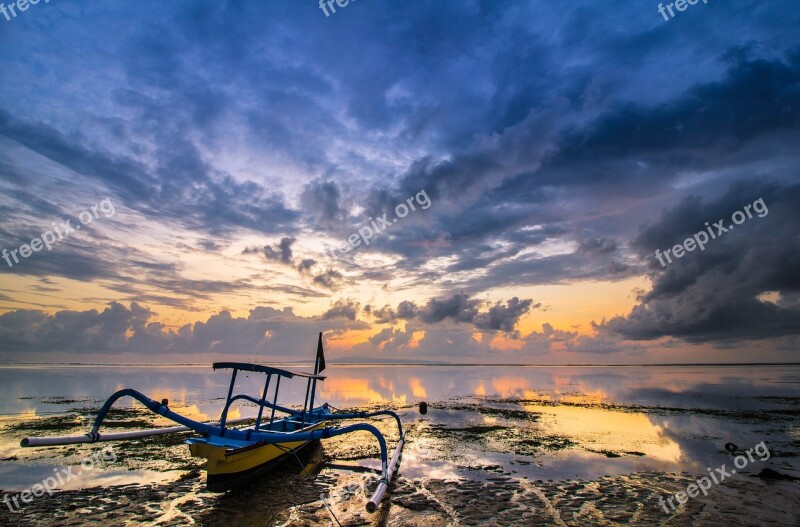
(510, 386)
(609, 430)
(194, 412)
(588, 397)
(579, 418)
(417, 390)
(351, 390)
(359, 390)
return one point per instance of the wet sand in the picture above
(469, 462)
(620, 500)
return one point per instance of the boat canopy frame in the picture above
(269, 371)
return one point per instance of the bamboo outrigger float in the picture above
(236, 454)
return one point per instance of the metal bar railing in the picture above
(263, 398)
(275, 401)
(224, 416)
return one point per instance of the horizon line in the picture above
(412, 363)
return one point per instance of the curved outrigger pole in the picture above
(301, 427)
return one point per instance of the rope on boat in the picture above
(325, 502)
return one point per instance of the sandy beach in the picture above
(621, 500)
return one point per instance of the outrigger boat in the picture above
(235, 455)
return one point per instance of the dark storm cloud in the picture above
(407, 310)
(182, 188)
(330, 279)
(342, 309)
(383, 335)
(305, 265)
(321, 199)
(588, 174)
(714, 295)
(118, 329)
(88, 331)
(280, 252)
(597, 245)
(383, 315)
(459, 307)
(504, 317)
(755, 98)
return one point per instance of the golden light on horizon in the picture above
(572, 307)
(502, 342)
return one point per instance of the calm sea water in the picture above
(617, 419)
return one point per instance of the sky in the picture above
(457, 181)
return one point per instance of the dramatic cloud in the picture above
(560, 145)
(330, 279)
(321, 200)
(504, 318)
(459, 307)
(342, 309)
(280, 252)
(119, 329)
(743, 285)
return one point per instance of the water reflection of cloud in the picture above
(351, 390)
(24, 414)
(10, 449)
(510, 386)
(417, 390)
(359, 391)
(110, 476)
(194, 412)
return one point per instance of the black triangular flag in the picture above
(320, 363)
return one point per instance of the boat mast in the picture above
(319, 365)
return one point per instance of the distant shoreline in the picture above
(448, 364)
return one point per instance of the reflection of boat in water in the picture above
(236, 454)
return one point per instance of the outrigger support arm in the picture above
(387, 468)
(366, 415)
(388, 471)
(154, 407)
(386, 478)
